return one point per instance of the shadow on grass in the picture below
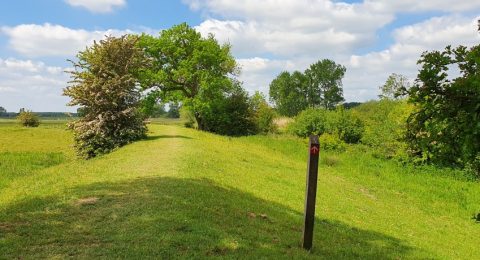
(156, 137)
(170, 218)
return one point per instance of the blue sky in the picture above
(372, 38)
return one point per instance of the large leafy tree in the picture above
(445, 126)
(189, 66)
(287, 93)
(319, 86)
(105, 87)
(324, 84)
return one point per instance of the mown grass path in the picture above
(188, 194)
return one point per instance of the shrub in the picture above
(264, 119)
(311, 121)
(28, 119)
(104, 86)
(263, 114)
(331, 142)
(445, 127)
(346, 125)
(385, 126)
(228, 115)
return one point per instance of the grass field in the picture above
(182, 193)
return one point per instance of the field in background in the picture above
(185, 193)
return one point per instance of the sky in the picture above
(371, 38)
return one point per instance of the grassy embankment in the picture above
(184, 193)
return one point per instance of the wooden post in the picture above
(311, 191)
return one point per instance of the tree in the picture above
(3, 111)
(28, 119)
(186, 64)
(104, 85)
(287, 93)
(263, 114)
(395, 87)
(324, 84)
(445, 126)
(319, 86)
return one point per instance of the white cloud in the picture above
(366, 72)
(424, 5)
(97, 6)
(31, 85)
(291, 28)
(300, 32)
(33, 40)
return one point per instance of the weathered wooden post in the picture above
(311, 191)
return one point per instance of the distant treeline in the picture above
(40, 114)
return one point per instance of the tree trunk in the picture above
(199, 120)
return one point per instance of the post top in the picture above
(314, 139)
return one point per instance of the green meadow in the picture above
(183, 193)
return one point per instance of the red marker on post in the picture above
(311, 191)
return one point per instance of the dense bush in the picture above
(263, 114)
(348, 125)
(235, 114)
(311, 121)
(105, 87)
(28, 119)
(228, 115)
(444, 127)
(331, 142)
(345, 124)
(385, 126)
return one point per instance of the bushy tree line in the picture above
(320, 86)
(445, 125)
(117, 82)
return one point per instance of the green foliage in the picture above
(319, 86)
(395, 87)
(345, 124)
(105, 87)
(173, 110)
(151, 105)
(187, 116)
(287, 93)
(28, 119)
(185, 65)
(229, 115)
(385, 126)
(324, 84)
(348, 125)
(331, 142)
(263, 114)
(311, 121)
(444, 127)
